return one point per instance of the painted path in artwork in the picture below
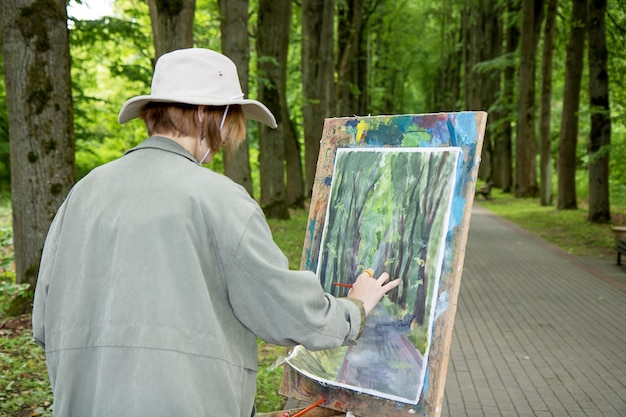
(537, 332)
(394, 368)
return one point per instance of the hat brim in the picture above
(252, 109)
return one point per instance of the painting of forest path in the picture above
(414, 324)
(388, 210)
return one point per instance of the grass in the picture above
(567, 229)
(24, 388)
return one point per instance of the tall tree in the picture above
(274, 19)
(349, 56)
(600, 135)
(483, 43)
(546, 105)
(317, 78)
(235, 45)
(36, 57)
(502, 172)
(172, 24)
(447, 88)
(526, 148)
(566, 193)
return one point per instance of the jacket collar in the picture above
(164, 144)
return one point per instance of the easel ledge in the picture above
(316, 412)
(296, 385)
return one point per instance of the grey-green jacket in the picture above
(156, 277)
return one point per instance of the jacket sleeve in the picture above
(43, 279)
(286, 307)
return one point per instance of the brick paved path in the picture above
(537, 333)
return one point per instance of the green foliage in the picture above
(567, 229)
(123, 68)
(24, 385)
(206, 27)
(269, 377)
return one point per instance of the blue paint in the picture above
(442, 304)
(308, 262)
(453, 141)
(387, 134)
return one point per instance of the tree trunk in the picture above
(39, 99)
(525, 165)
(566, 193)
(172, 24)
(482, 40)
(490, 80)
(349, 56)
(295, 180)
(546, 102)
(234, 30)
(503, 163)
(272, 42)
(600, 136)
(317, 78)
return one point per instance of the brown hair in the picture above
(179, 119)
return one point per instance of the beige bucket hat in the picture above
(197, 76)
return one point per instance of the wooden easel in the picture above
(464, 130)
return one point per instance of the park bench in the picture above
(485, 190)
(621, 249)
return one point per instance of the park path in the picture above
(537, 332)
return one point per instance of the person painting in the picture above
(158, 275)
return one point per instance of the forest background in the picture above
(549, 73)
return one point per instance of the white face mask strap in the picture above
(208, 151)
(224, 117)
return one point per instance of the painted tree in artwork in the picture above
(348, 205)
(36, 59)
(387, 212)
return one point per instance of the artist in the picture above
(157, 274)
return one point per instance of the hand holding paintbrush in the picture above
(370, 290)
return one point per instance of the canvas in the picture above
(388, 210)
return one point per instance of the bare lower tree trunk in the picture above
(317, 78)
(349, 52)
(526, 149)
(234, 29)
(566, 193)
(172, 24)
(271, 45)
(600, 135)
(545, 106)
(36, 57)
(503, 160)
